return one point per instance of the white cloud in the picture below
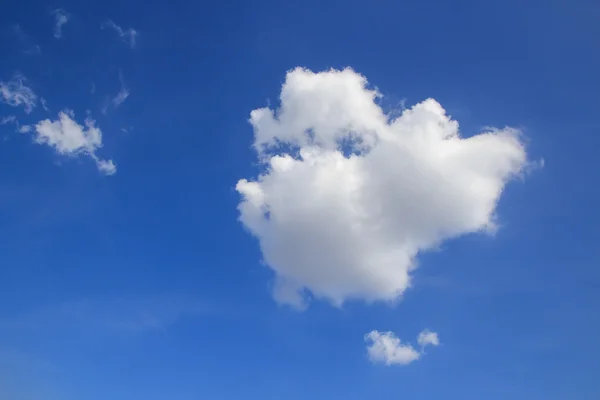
(386, 347)
(427, 338)
(16, 93)
(108, 167)
(25, 129)
(60, 18)
(349, 197)
(128, 36)
(67, 137)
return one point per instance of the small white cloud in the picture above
(349, 196)
(67, 137)
(128, 36)
(60, 18)
(108, 167)
(428, 338)
(104, 108)
(16, 93)
(386, 348)
(25, 129)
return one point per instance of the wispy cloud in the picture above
(61, 17)
(120, 97)
(104, 109)
(111, 315)
(26, 45)
(8, 120)
(123, 92)
(128, 36)
(16, 93)
(44, 104)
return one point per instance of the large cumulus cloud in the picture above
(349, 197)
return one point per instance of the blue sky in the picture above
(139, 280)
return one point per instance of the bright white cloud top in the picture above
(349, 197)
(67, 137)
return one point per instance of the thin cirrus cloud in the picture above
(349, 196)
(9, 119)
(61, 17)
(17, 93)
(120, 97)
(123, 93)
(116, 315)
(26, 44)
(386, 348)
(44, 104)
(128, 36)
(67, 137)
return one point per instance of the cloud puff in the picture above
(67, 137)
(349, 197)
(128, 36)
(60, 18)
(16, 93)
(386, 347)
(427, 338)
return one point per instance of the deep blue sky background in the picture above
(144, 285)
